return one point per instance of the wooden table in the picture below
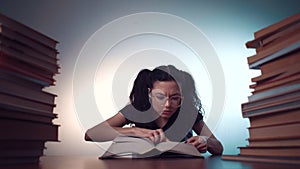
(92, 162)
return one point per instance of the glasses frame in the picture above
(165, 98)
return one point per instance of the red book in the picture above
(284, 131)
(19, 52)
(25, 70)
(27, 41)
(11, 129)
(27, 31)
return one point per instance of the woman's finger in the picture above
(202, 147)
(152, 138)
(192, 140)
(162, 136)
(156, 137)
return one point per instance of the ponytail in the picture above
(139, 93)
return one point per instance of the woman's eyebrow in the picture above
(158, 93)
(176, 94)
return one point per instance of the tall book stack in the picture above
(273, 109)
(28, 64)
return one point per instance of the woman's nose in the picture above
(167, 103)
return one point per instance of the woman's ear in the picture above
(149, 94)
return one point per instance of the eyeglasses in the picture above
(162, 99)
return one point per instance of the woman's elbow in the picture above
(215, 148)
(86, 136)
(219, 150)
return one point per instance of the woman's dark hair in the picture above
(191, 100)
(139, 93)
(145, 79)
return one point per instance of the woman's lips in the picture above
(167, 112)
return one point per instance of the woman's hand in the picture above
(155, 136)
(200, 142)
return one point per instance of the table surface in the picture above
(92, 162)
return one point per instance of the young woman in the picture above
(164, 106)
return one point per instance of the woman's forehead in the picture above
(166, 87)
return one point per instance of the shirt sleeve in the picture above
(126, 112)
(143, 119)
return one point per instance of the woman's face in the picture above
(165, 97)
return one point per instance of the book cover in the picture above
(263, 159)
(271, 151)
(295, 142)
(24, 40)
(26, 49)
(283, 131)
(278, 26)
(16, 101)
(27, 31)
(36, 61)
(284, 117)
(25, 70)
(29, 115)
(281, 63)
(268, 103)
(11, 129)
(17, 89)
(274, 92)
(257, 60)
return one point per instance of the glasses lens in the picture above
(162, 99)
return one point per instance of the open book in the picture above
(136, 147)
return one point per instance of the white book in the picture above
(137, 147)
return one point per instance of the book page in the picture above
(178, 147)
(144, 147)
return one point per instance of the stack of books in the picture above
(273, 109)
(28, 64)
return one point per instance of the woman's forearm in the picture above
(104, 132)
